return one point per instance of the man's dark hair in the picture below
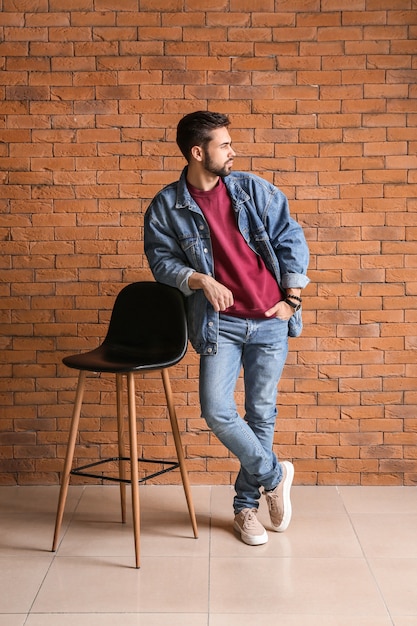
(195, 130)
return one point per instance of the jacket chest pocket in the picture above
(196, 251)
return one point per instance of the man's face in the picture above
(218, 154)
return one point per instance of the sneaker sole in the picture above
(251, 540)
(286, 497)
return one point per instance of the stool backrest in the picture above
(149, 317)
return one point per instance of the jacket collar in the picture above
(184, 198)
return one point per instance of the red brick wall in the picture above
(322, 97)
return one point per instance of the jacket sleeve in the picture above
(287, 240)
(163, 249)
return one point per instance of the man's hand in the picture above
(219, 296)
(281, 310)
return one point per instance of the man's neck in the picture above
(203, 180)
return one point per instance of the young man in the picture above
(227, 241)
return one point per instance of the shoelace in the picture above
(251, 519)
(274, 502)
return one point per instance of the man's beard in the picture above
(215, 169)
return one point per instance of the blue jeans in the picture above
(260, 347)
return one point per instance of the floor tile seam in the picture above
(116, 557)
(365, 557)
(101, 613)
(358, 514)
(292, 558)
(210, 545)
(53, 555)
(42, 582)
(43, 554)
(71, 517)
(393, 558)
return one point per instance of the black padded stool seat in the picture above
(147, 331)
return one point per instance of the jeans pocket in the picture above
(295, 324)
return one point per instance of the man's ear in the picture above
(197, 153)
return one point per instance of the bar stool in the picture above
(147, 331)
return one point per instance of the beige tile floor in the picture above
(349, 558)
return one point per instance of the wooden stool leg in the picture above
(178, 447)
(134, 472)
(121, 444)
(75, 420)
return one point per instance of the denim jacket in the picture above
(177, 243)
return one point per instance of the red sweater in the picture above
(236, 266)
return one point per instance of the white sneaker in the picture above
(251, 530)
(278, 500)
